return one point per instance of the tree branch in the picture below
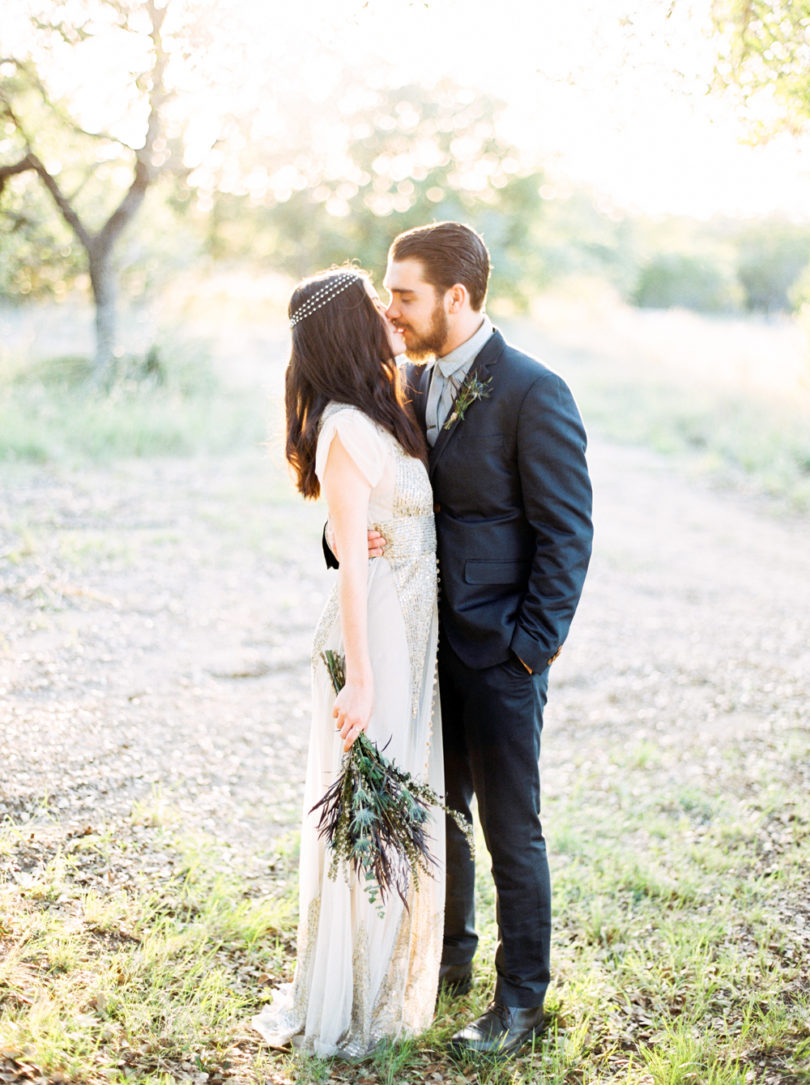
(28, 70)
(65, 208)
(70, 35)
(112, 228)
(99, 244)
(35, 163)
(15, 120)
(17, 167)
(145, 170)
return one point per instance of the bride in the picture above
(362, 976)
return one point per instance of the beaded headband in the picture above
(324, 296)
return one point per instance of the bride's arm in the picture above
(347, 493)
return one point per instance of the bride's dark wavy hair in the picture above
(340, 353)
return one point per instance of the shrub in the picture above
(670, 280)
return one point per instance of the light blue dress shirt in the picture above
(448, 376)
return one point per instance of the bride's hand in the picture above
(352, 711)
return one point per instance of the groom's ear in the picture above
(456, 297)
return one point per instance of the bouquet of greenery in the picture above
(373, 816)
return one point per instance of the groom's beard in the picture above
(419, 347)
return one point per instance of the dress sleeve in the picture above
(361, 439)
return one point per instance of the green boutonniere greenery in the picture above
(471, 390)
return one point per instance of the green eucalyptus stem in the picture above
(373, 816)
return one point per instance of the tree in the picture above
(766, 56)
(79, 166)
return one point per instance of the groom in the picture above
(512, 503)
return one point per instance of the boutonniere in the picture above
(471, 390)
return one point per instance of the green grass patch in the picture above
(680, 927)
(681, 936)
(168, 403)
(680, 944)
(728, 397)
(129, 958)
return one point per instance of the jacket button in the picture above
(437, 508)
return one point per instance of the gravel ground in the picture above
(154, 636)
(155, 619)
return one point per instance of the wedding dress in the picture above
(361, 977)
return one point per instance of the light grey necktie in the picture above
(447, 394)
(446, 399)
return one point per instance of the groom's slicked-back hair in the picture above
(450, 253)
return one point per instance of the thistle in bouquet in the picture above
(374, 816)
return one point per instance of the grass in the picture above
(741, 443)
(142, 977)
(168, 403)
(680, 945)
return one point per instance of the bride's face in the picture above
(396, 340)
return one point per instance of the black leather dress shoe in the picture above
(501, 1030)
(455, 979)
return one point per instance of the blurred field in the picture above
(730, 396)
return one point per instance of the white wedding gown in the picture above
(361, 977)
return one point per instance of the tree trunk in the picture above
(105, 297)
(99, 245)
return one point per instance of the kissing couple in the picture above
(470, 451)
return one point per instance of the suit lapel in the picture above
(417, 383)
(481, 369)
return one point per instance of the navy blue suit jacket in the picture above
(513, 511)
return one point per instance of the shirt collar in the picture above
(462, 357)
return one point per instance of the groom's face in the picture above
(416, 308)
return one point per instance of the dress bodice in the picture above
(410, 530)
(401, 509)
(401, 500)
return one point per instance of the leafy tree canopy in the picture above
(766, 56)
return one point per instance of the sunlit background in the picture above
(644, 201)
(611, 94)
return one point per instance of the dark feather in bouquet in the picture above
(374, 816)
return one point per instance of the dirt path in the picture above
(155, 621)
